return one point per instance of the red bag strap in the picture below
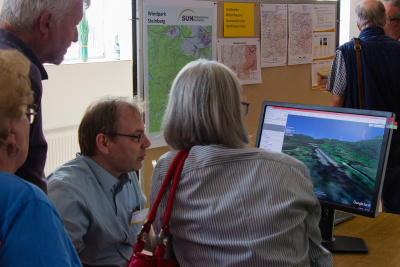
(174, 171)
(175, 181)
(180, 158)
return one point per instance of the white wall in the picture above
(348, 26)
(344, 22)
(354, 31)
(71, 87)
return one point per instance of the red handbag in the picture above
(139, 259)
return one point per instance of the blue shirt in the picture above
(31, 231)
(82, 192)
(241, 207)
(33, 168)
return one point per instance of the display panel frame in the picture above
(277, 122)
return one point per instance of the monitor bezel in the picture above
(382, 158)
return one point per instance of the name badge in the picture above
(139, 216)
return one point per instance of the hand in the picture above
(322, 80)
(336, 101)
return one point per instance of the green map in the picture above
(169, 49)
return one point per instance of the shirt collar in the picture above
(106, 180)
(371, 32)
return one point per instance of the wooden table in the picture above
(381, 235)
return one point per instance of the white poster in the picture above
(324, 18)
(300, 33)
(174, 34)
(324, 41)
(324, 45)
(273, 35)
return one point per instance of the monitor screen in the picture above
(345, 150)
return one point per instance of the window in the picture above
(106, 19)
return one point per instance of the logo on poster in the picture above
(190, 15)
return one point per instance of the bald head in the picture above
(370, 13)
(369, 4)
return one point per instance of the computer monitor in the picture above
(345, 151)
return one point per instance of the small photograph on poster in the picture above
(324, 45)
(322, 67)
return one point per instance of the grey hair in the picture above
(371, 16)
(395, 3)
(204, 107)
(22, 14)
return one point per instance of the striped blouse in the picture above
(242, 207)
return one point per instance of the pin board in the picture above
(289, 82)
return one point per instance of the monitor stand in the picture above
(341, 217)
(338, 244)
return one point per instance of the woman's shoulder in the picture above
(278, 156)
(13, 183)
(17, 192)
(215, 154)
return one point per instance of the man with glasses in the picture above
(392, 27)
(380, 69)
(97, 194)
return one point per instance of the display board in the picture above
(286, 83)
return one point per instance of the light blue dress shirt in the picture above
(82, 192)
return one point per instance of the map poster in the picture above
(242, 55)
(174, 34)
(300, 33)
(273, 35)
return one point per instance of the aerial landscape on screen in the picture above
(342, 157)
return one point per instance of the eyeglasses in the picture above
(246, 105)
(31, 114)
(139, 137)
(392, 19)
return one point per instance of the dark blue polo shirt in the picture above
(380, 56)
(33, 168)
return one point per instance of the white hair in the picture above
(22, 14)
(204, 107)
(370, 16)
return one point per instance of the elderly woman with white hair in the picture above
(234, 206)
(31, 231)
